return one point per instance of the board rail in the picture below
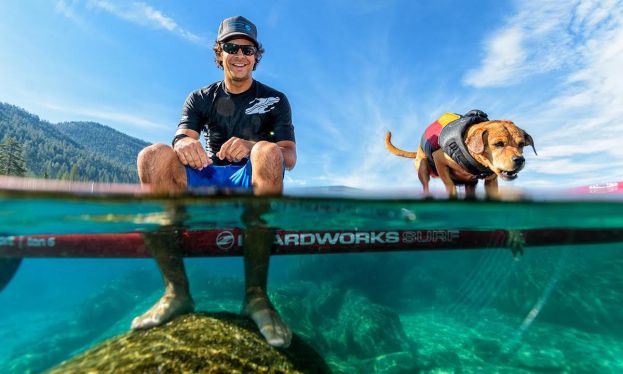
(229, 242)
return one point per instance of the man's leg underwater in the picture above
(267, 177)
(159, 166)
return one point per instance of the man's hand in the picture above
(191, 153)
(235, 149)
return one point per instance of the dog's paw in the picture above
(516, 241)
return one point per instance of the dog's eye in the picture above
(498, 144)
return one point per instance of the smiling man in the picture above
(249, 144)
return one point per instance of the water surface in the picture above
(557, 308)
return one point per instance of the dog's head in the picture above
(499, 146)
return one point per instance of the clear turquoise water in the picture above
(556, 309)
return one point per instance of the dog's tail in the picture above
(397, 151)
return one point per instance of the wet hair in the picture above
(218, 49)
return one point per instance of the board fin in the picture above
(8, 267)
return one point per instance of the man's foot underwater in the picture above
(274, 329)
(167, 308)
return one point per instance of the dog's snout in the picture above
(519, 160)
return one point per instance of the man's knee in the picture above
(266, 154)
(153, 154)
(158, 163)
(267, 164)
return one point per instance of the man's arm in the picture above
(190, 151)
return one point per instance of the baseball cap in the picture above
(237, 26)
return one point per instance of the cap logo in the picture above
(241, 25)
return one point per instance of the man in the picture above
(249, 141)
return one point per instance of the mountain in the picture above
(85, 151)
(103, 140)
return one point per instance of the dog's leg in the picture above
(491, 188)
(470, 191)
(444, 173)
(450, 187)
(423, 173)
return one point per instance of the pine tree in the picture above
(73, 174)
(12, 158)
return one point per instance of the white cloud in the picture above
(579, 127)
(144, 15)
(135, 12)
(533, 41)
(506, 58)
(66, 10)
(106, 116)
(591, 103)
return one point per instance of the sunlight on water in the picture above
(555, 309)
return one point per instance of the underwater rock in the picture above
(215, 342)
(339, 322)
(311, 310)
(486, 348)
(367, 330)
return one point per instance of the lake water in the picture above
(557, 308)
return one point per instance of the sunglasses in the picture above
(232, 49)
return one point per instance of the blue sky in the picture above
(351, 69)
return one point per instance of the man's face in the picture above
(238, 66)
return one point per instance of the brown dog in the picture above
(462, 149)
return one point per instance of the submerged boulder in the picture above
(215, 342)
(342, 324)
(369, 330)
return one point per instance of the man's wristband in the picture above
(176, 138)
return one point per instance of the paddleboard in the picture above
(61, 219)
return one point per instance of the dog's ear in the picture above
(529, 141)
(476, 141)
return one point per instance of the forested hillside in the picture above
(103, 140)
(84, 151)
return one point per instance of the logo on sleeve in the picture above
(262, 105)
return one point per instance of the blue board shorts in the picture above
(227, 176)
